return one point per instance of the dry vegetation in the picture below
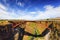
(32, 26)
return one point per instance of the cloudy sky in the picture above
(29, 9)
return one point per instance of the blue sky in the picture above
(29, 9)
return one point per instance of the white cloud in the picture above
(4, 14)
(48, 7)
(50, 12)
(20, 4)
(2, 7)
(32, 13)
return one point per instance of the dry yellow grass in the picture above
(4, 23)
